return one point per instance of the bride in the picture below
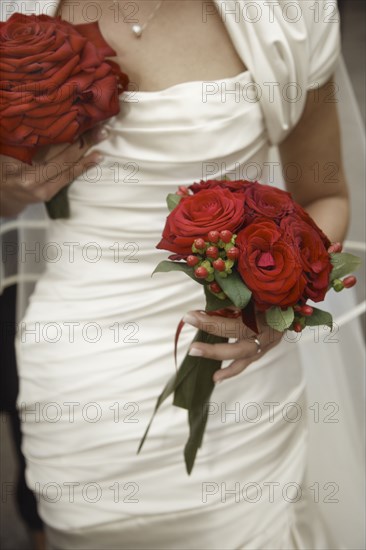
(213, 86)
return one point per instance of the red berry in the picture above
(192, 260)
(213, 236)
(226, 235)
(201, 272)
(297, 326)
(335, 248)
(214, 287)
(233, 253)
(307, 311)
(297, 308)
(219, 264)
(200, 244)
(212, 252)
(349, 281)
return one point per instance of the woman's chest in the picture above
(182, 40)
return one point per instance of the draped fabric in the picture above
(288, 47)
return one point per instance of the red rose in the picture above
(196, 215)
(307, 219)
(269, 266)
(55, 82)
(314, 257)
(239, 186)
(264, 200)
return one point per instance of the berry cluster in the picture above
(216, 255)
(300, 313)
(306, 311)
(339, 284)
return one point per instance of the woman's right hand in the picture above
(53, 168)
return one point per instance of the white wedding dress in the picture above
(95, 348)
(105, 344)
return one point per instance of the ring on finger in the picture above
(256, 340)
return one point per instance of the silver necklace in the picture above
(138, 29)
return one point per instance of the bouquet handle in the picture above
(58, 206)
(192, 386)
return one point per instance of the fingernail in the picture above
(99, 158)
(102, 134)
(218, 381)
(191, 320)
(195, 352)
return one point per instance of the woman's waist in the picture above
(143, 164)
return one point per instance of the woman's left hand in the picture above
(248, 346)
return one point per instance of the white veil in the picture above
(335, 381)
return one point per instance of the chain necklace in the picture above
(138, 29)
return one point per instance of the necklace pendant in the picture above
(137, 30)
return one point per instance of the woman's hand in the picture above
(53, 168)
(243, 352)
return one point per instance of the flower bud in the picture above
(201, 272)
(213, 236)
(207, 265)
(192, 260)
(335, 248)
(233, 253)
(297, 326)
(338, 285)
(182, 190)
(307, 311)
(212, 252)
(349, 281)
(226, 235)
(215, 288)
(228, 265)
(199, 244)
(219, 264)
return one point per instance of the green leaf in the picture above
(235, 289)
(212, 302)
(165, 266)
(173, 200)
(319, 317)
(343, 264)
(197, 419)
(279, 319)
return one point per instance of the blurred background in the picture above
(14, 532)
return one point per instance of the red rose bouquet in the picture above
(55, 83)
(251, 246)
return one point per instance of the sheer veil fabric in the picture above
(304, 50)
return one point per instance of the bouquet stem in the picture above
(58, 206)
(192, 386)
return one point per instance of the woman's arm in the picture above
(314, 147)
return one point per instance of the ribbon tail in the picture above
(249, 318)
(176, 338)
